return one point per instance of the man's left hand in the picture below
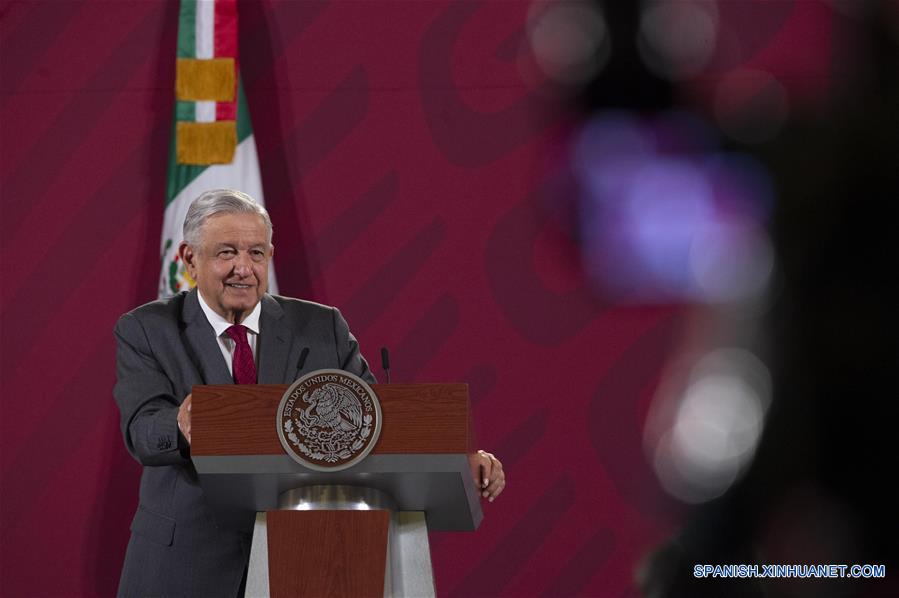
(492, 477)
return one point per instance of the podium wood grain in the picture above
(327, 553)
(417, 418)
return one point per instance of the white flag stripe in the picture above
(204, 33)
(205, 112)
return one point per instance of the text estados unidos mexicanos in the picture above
(797, 571)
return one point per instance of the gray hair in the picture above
(221, 201)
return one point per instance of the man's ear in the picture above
(188, 257)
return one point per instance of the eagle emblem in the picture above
(329, 420)
(332, 406)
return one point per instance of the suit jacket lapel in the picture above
(201, 342)
(274, 347)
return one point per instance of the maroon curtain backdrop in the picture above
(401, 156)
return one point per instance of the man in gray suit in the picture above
(227, 330)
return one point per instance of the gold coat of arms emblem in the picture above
(329, 420)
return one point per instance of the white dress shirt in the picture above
(221, 325)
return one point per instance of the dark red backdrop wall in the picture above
(400, 152)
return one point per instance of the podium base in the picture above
(315, 544)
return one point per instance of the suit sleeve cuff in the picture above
(166, 436)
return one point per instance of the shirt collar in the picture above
(220, 324)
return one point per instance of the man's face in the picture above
(230, 264)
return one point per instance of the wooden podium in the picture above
(361, 531)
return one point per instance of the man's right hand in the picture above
(184, 418)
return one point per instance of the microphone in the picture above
(303, 354)
(385, 362)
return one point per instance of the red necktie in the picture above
(243, 365)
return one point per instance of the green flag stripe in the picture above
(244, 128)
(187, 23)
(180, 175)
(185, 111)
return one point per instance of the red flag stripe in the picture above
(225, 35)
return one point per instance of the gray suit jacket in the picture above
(164, 349)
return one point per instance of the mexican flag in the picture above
(212, 144)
